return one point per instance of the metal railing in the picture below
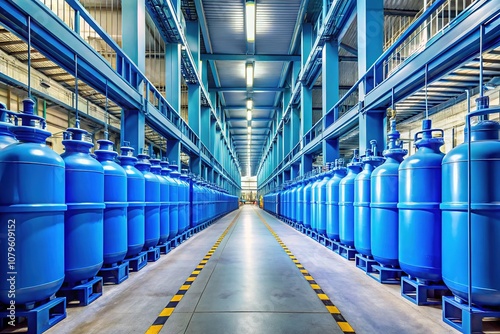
(434, 25)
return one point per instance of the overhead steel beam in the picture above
(400, 12)
(348, 59)
(241, 57)
(9, 43)
(349, 48)
(243, 107)
(243, 119)
(245, 89)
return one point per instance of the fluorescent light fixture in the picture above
(249, 136)
(249, 104)
(250, 20)
(249, 129)
(249, 72)
(249, 115)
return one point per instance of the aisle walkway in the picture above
(236, 277)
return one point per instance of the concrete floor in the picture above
(250, 285)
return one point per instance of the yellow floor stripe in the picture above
(155, 329)
(345, 327)
(334, 311)
(176, 298)
(164, 315)
(322, 296)
(167, 311)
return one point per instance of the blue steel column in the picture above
(370, 39)
(205, 111)
(306, 94)
(133, 44)
(174, 152)
(372, 123)
(330, 94)
(173, 75)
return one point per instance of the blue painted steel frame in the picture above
(458, 44)
(50, 33)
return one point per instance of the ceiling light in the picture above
(249, 115)
(249, 73)
(249, 136)
(249, 104)
(249, 129)
(250, 20)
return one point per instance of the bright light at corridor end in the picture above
(250, 20)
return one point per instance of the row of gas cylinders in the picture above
(412, 213)
(70, 215)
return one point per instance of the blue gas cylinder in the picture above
(164, 201)
(484, 212)
(299, 202)
(136, 197)
(152, 208)
(419, 213)
(346, 199)
(282, 201)
(314, 200)
(293, 203)
(193, 199)
(115, 199)
(83, 226)
(332, 200)
(384, 197)
(321, 203)
(172, 188)
(288, 207)
(32, 206)
(307, 202)
(6, 137)
(202, 202)
(362, 198)
(177, 197)
(185, 200)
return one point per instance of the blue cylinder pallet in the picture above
(332, 200)
(321, 203)
(136, 198)
(362, 199)
(83, 226)
(152, 209)
(6, 136)
(173, 197)
(384, 206)
(164, 201)
(484, 212)
(419, 214)
(115, 199)
(32, 207)
(346, 199)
